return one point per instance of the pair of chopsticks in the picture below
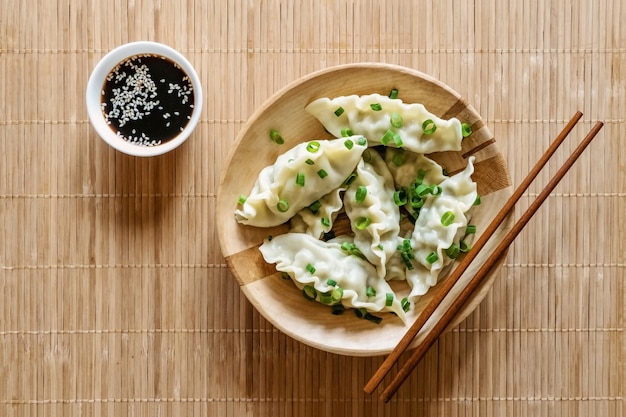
(474, 283)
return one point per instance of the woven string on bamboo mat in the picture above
(115, 298)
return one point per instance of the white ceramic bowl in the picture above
(95, 88)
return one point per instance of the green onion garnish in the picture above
(420, 176)
(362, 222)
(309, 292)
(242, 199)
(376, 106)
(325, 298)
(313, 146)
(406, 245)
(310, 268)
(282, 206)
(276, 137)
(477, 200)
(346, 132)
(400, 198)
(373, 318)
(349, 144)
(396, 120)
(339, 111)
(361, 193)
(285, 275)
(436, 190)
(398, 157)
(389, 299)
(350, 179)
(387, 137)
(325, 221)
(360, 312)
(393, 93)
(464, 246)
(423, 190)
(406, 304)
(337, 309)
(315, 206)
(331, 282)
(397, 140)
(466, 130)
(361, 141)
(406, 257)
(432, 258)
(447, 218)
(453, 251)
(370, 292)
(322, 174)
(300, 179)
(470, 229)
(309, 162)
(429, 127)
(336, 294)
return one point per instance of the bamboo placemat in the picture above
(115, 298)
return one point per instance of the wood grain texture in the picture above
(111, 276)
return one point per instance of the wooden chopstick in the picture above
(447, 285)
(495, 256)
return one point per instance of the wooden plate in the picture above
(279, 301)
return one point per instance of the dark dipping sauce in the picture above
(147, 99)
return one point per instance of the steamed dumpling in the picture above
(379, 118)
(299, 177)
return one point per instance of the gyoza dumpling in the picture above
(380, 118)
(404, 166)
(374, 216)
(319, 217)
(298, 178)
(310, 261)
(432, 235)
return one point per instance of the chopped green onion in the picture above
(362, 222)
(470, 229)
(325, 222)
(400, 198)
(396, 120)
(370, 292)
(350, 179)
(309, 292)
(315, 206)
(406, 304)
(367, 156)
(309, 162)
(346, 132)
(339, 111)
(393, 94)
(398, 158)
(242, 199)
(406, 245)
(429, 127)
(331, 282)
(322, 174)
(361, 141)
(373, 318)
(447, 218)
(360, 312)
(282, 206)
(336, 294)
(416, 201)
(389, 299)
(337, 309)
(352, 249)
(477, 201)
(421, 174)
(310, 268)
(349, 144)
(436, 190)
(325, 298)
(466, 130)
(361, 193)
(313, 146)
(387, 137)
(276, 137)
(300, 179)
(464, 246)
(453, 251)
(397, 140)
(406, 257)
(423, 190)
(380, 247)
(285, 275)
(444, 172)
(432, 258)
(376, 106)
